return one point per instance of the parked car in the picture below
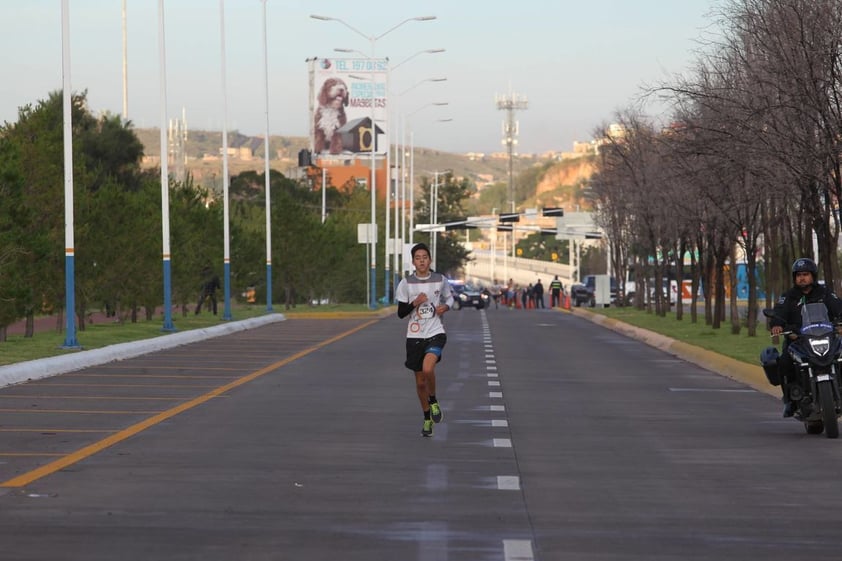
(584, 293)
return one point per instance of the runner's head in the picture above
(421, 258)
(420, 247)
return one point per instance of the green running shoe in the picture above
(435, 412)
(427, 429)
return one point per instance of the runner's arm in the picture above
(404, 309)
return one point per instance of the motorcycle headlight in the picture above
(820, 346)
(463, 297)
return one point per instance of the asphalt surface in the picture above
(300, 439)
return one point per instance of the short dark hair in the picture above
(420, 246)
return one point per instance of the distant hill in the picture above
(202, 149)
(556, 183)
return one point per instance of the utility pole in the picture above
(511, 103)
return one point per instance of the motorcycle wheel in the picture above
(831, 422)
(814, 427)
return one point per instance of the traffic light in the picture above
(552, 211)
(513, 217)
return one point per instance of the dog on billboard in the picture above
(330, 116)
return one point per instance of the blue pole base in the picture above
(373, 294)
(268, 287)
(226, 314)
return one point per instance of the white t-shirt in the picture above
(423, 321)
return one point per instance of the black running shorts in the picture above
(417, 349)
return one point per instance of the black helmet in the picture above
(805, 265)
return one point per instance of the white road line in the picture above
(495, 395)
(518, 550)
(711, 390)
(493, 384)
(497, 408)
(508, 482)
(492, 375)
(499, 423)
(502, 442)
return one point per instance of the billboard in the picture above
(345, 94)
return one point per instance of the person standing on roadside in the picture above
(424, 297)
(210, 284)
(555, 292)
(538, 294)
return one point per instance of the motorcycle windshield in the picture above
(814, 320)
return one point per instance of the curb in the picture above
(727, 367)
(46, 367)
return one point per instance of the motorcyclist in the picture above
(806, 290)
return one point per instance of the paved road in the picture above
(562, 440)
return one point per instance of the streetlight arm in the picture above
(343, 22)
(438, 103)
(371, 38)
(428, 51)
(419, 18)
(421, 82)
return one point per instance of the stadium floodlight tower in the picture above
(511, 103)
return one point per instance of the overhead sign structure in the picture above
(577, 226)
(511, 217)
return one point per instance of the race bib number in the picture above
(426, 310)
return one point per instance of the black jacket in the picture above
(789, 305)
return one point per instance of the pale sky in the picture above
(575, 62)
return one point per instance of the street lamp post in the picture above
(266, 171)
(399, 226)
(372, 235)
(412, 170)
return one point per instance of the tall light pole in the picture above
(405, 119)
(69, 251)
(226, 315)
(412, 168)
(372, 235)
(125, 67)
(398, 228)
(267, 182)
(165, 175)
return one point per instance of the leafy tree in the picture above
(451, 255)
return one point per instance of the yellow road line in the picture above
(91, 449)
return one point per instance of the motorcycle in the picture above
(816, 350)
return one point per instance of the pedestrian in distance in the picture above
(424, 297)
(556, 287)
(210, 284)
(538, 294)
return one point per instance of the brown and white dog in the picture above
(330, 116)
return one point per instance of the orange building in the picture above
(343, 173)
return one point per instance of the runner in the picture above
(424, 296)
